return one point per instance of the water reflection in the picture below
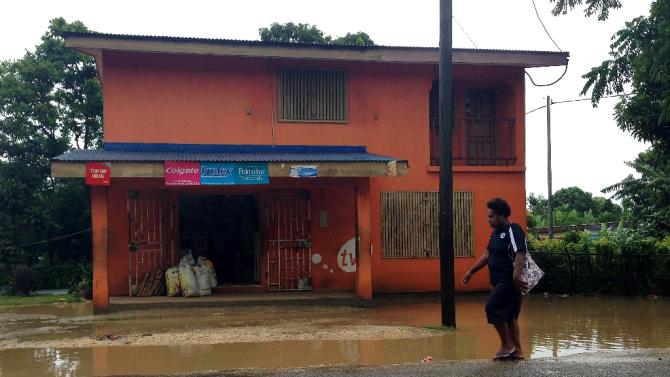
(550, 327)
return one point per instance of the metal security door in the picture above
(289, 245)
(151, 234)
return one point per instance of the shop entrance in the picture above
(223, 228)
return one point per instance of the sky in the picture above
(587, 147)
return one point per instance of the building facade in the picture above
(295, 167)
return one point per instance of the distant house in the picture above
(561, 231)
(295, 167)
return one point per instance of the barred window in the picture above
(410, 225)
(313, 96)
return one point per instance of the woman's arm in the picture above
(483, 261)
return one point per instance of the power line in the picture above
(46, 241)
(550, 84)
(465, 32)
(544, 27)
(537, 13)
(578, 100)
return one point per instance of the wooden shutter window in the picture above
(313, 96)
(410, 225)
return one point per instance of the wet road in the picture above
(62, 340)
(653, 363)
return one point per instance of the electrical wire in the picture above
(544, 27)
(46, 241)
(537, 13)
(578, 100)
(550, 84)
(464, 32)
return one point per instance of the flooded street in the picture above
(65, 340)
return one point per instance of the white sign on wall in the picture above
(346, 257)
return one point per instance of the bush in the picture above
(623, 261)
(83, 287)
(25, 280)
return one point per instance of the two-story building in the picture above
(295, 167)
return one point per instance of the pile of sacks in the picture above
(191, 279)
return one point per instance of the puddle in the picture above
(550, 327)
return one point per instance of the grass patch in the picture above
(37, 299)
(439, 327)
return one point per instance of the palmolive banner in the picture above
(180, 173)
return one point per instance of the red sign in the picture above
(179, 173)
(98, 173)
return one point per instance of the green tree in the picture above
(305, 33)
(50, 101)
(593, 7)
(639, 60)
(573, 198)
(647, 197)
(292, 33)
(572, 206)
(358, 39)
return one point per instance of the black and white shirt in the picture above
(503, 246)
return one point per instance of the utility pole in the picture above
(550, 209)
(447, 285)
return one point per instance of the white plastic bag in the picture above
(187, 260)
(172, 282)
(189, 284)
(202, 261)
(202, 276)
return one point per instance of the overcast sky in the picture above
(588, 148)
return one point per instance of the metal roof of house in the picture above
(94, 43)
(220, 153)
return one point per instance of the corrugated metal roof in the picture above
(101, 155)
(243, 42)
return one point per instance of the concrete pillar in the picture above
(364, 244)
(99, 225)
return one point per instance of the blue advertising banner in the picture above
(223, 173)
(305, 171)
(251, 174)
(217, 173)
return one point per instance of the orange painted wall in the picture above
(154, 98)
(336, 198)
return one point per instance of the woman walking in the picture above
(505, 257)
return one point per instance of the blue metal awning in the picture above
(221, 153)
(148, 160)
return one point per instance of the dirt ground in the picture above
(166, 327)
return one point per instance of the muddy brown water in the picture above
(550, 326)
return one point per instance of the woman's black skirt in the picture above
(504, 304)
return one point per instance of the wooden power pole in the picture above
(550, 194)
(447, 285)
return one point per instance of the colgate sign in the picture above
(98, 173)
(178, 173)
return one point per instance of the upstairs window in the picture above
(313, 96)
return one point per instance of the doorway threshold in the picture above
(337, 298)
(238, 289)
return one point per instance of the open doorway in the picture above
(225, 229)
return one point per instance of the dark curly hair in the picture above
(499, 207)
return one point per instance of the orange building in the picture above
(294, 167)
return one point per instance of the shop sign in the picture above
(251, 174)
(98, 173)
(217, 173)
(304, 171)
(179, 173)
